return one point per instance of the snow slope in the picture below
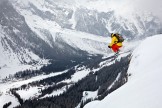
(83, 41)
(144, 86)
(12, 62)
(90, 43)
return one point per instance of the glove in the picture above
(109, 46)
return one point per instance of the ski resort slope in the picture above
(144, 86)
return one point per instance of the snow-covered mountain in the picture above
(75, 16)
(58, 49)
(144, 86)
(29, 34)
(25, 42)
(32, 30)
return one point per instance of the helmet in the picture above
(113, 34)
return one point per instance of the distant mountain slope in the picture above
(38, 28)
(22, 43)
(144, 85)
(79, 17)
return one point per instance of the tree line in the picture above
(72, 97)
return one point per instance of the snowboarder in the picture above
(116, 42)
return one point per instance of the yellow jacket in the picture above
(114, 40)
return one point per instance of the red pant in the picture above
(115, 47)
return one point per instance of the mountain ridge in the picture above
(49, 50)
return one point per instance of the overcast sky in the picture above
(126, 6)
(154, 6)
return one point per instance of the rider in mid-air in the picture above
(116, 42)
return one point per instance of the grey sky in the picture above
(1, 1)
(154, 6)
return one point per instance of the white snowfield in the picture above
(144, 87)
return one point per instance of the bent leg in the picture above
(115, 48)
